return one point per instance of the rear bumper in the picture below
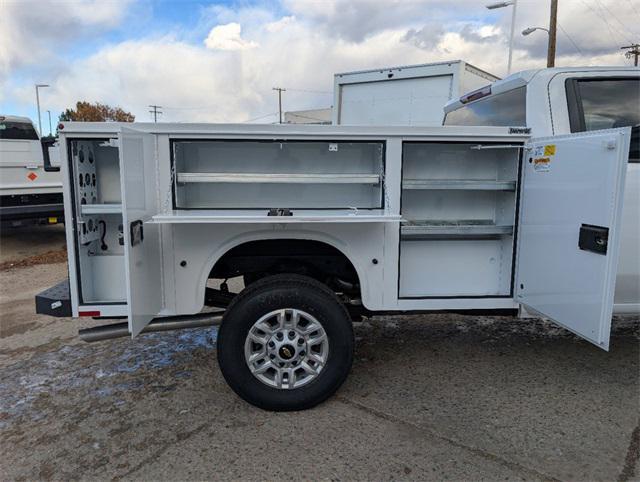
(31, 206)
(55, 301)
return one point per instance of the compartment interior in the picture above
(96, 184)
(219, 174)
(459, 206)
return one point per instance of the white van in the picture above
(30, 181)
(567, 100)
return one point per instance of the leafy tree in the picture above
(96, 112)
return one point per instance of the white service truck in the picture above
(325, 224)
(30, 181)
(571, 100)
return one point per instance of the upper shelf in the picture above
(237, 177)
(101, 208)
(459, 184)
(201, 216)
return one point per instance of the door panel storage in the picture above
(96, 181)
(459, 207)
(220, 174)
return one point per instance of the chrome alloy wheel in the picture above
(286, 348)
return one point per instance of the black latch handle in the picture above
(593, 238)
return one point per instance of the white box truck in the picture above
(565, 100)
(328, 223)
(411, 95)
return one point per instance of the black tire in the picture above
(273, 293)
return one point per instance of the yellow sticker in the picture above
(53, 220)
(550, 150)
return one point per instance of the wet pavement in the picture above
(429, 397)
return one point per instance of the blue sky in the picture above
(218, 61)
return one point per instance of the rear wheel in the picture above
(285, 343)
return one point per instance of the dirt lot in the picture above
(430, 397)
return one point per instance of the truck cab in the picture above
(30, 180)
(571, 100)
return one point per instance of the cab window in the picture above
(605, 103)
(17, 130)
(506, 109)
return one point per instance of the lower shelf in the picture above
(422, 229)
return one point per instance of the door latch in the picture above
(593, 238)
(137, 232)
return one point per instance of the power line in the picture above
(155, 110)
(601, 17)
(602, 5)
(259, 117)
(311, 91)
(570, 39)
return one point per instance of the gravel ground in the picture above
(430, 397)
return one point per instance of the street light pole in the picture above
(508, 3)
(513, 27)
(38, 103)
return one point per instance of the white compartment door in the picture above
(569, 229)
(142, 241)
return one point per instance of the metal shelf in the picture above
(264, 178)
(101, 208)
(459, 184)
(422, 229)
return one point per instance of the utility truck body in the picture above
(30, 183)
(570, 100)
(328, 223)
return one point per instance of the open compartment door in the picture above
(569, 229)
(138, 176)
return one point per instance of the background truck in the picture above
(30, 181)
(409, 95)
(565, 100)
(323, 224)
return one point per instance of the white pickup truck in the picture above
(30, 181)
(565, 100)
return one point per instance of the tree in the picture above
(97, 112)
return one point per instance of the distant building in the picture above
(313, 116)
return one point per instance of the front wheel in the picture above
(285, 343)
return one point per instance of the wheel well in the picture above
(321, 261)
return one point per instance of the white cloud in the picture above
(32, 30)
(227, 37)
(228, 76)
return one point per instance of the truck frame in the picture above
(328, 223)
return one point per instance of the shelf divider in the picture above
(470, 228)
(259, 178)
(459, 184)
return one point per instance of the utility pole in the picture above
(280, 91)
(553, 22)
(633, 51)
(50, 131)
(155, 111)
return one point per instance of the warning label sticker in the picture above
(550, 150)
(541, 164)
(32, 176)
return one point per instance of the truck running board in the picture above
(119, 330)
